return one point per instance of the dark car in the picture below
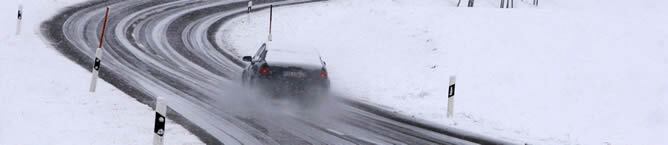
(278, 70)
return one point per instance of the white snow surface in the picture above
(44, 97)
(566, 72)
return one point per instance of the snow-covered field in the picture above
(567, 72)
(44, 97)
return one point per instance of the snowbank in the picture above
(44, 96)
(567, 72)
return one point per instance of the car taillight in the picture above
(264, 70)
(323, 74)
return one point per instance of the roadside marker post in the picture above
(19, 18)
(98, 54)
(159, 123)
(507, 4)
(250, 6)
(271, 17)
(451, 96)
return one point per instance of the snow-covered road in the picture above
(170, 49)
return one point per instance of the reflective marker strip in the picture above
(451, 89)
(20, 12)
(97, 64)
(159, 128)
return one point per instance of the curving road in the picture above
(170, 49)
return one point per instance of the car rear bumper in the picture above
(282, 86)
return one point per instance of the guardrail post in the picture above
(502, 3)
(507, 3)
(160, 119)
(451, 96)
(98, 53)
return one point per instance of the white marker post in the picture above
(250, 6)
(451, 96)
(271, 16)
(18, 20)
(98, 54)
(160, 119)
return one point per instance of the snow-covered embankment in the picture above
(569, 72)
(44, 97)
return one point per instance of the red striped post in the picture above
(98, 53)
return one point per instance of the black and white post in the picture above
(160, 119)
(19, 18)
(250, 6)
(98, 54)
(451, 96)
(271, 18)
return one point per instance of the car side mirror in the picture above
(247, 59)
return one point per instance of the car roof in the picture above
(292, 55)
